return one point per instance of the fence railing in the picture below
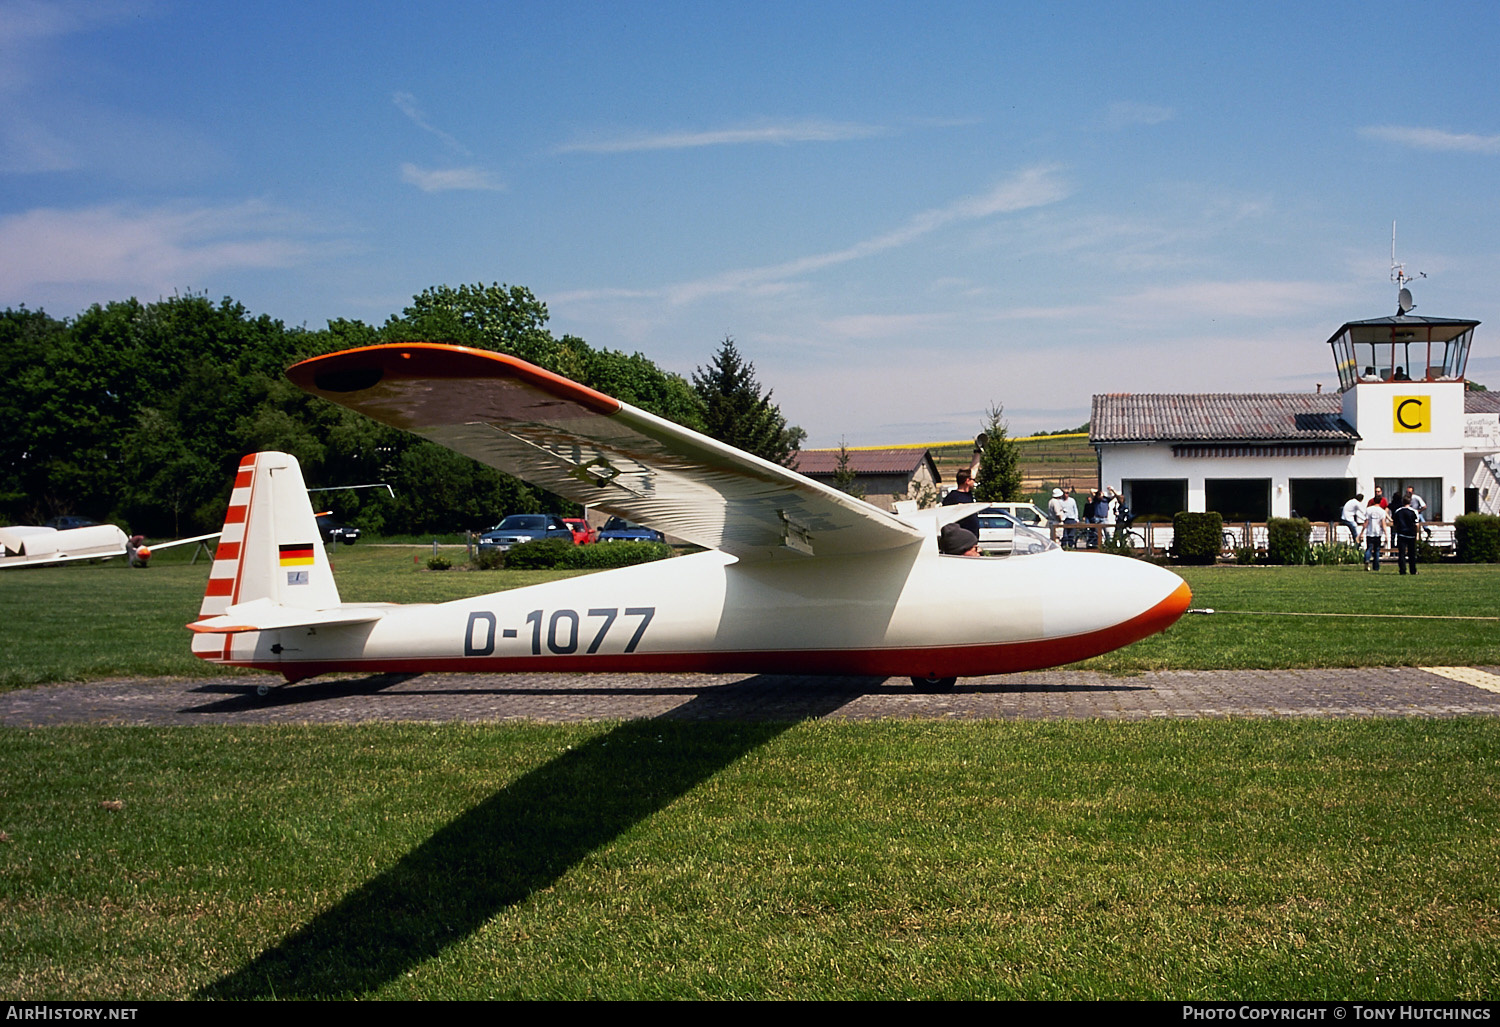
(1155, 538)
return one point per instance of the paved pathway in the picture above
(1366, 692)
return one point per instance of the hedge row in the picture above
(559, 553)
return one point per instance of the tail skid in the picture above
(270, 569)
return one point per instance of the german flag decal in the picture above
(297, 554)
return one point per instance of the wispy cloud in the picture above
(407, 104)
(765, 133)
(1033, 187)
(26, 21)
(1433, 138)
(145, 249)
(450, 179)
(1125, 113)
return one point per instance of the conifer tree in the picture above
(735, 411)
(999, 462)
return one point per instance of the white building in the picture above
(1402, 417)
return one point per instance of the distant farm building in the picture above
(884, 476)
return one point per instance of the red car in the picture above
(582, 533)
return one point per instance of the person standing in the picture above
(1404, 527)
(1353, 516)
(1417, 503)
(964, 493)
(1070, 516)
(1375, 518)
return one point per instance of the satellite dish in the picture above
(1404, 302)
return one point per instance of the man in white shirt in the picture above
(1375, 520)
(1353, 516)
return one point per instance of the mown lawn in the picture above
(660, 859)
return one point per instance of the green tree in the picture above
(844, 475)
(999, 462)
(735, 412)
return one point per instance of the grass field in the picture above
(659, 859)
(1212, 859)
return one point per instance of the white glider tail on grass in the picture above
(799, 577)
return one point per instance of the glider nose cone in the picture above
(1165, 613)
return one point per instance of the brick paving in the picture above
(1054, 694)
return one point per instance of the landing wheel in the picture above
(931, 684)
(262, 690)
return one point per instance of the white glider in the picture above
(27, 546)
(798, 577)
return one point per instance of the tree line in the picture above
(138, 413)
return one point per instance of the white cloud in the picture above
(1033, 187)
(450, 179)
(1246, 298)
(1433, 138)
(1124, 113)
(882, 326)
(27, 25)
(143, 249)
(407, 104)
(778, 134)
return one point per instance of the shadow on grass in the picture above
(497, 854)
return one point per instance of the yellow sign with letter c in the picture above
(1412, 413)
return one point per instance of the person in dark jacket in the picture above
(1404, 526)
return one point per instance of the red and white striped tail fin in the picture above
(270, 548)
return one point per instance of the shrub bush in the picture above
(1286, 540)
(539, 554)
(488, 559)
(1429, 553)
(1245, 555)
(1197, 538)
(439, 563)
(602, 555)
(1334, 553)
(1478, 538)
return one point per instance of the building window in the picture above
(1321, 499)
(1158, 497)
(1430, 489)
(1239, 499)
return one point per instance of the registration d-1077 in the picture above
(562, 631)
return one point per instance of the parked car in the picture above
(1025, 514)
(69, 522)
(518, 528)
(1001, 533)
(336, 531)
(618, 529)
(582, 533)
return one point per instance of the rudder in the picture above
(270, 547)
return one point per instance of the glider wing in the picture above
(595, 450)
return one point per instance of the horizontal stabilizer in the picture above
(264, 615)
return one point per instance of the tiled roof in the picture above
(1223, 417)
(1482, 402)
(861, 461)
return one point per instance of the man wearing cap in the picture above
(956, 541)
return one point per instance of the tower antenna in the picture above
(1404, 302)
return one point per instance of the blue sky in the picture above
(901, 212)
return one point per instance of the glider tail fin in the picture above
(270, 548)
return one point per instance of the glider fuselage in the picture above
(909, 613)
